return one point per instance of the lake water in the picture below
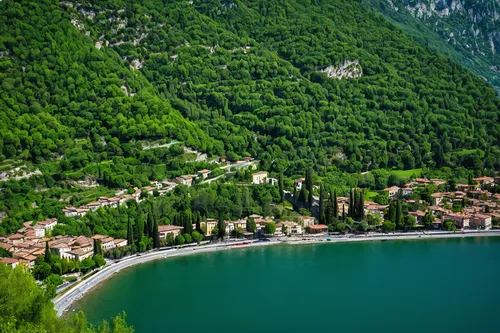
(395, 286)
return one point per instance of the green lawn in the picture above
(407, 173)
(369, 195)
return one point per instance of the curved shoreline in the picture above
(63, 302)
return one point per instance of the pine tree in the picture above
(156, 235)
(47, 257)
(130, 232)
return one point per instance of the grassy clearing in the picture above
(369, 195)
(407, 173)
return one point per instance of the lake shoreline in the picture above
(63, 302)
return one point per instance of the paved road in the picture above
(62, 302)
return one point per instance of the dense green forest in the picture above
(248, 74)
(26, 308)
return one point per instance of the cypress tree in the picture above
(281, 187)
(130, 232)
(156, 235)
(335, 204)
(351, 209)
(221, 226)
(399, 215)
(343, 212)
(309, 187)
(361, 208)
(47, 257)
(140, 228)
(149, 231)
(198, 222)
(392, 211)
(322, 215)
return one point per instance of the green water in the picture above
(395, 286)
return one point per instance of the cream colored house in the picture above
(259, 177)
(163, 230)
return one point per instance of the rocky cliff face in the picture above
(466, 30)
(470, 24)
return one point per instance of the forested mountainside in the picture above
(324, 81)
(466, 30)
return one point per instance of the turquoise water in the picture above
(395, 286)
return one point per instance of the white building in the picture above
(259, 177)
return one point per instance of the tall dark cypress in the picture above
(140, 228)
(322, 214)
(149, 226)
(361, 208)
(309, 184)
(399, 215)
(47, 257)
(198, 222)
(156, 235)
(351, 210)
(335, 204)
(281, 188)
(130, 232)
(343, 212)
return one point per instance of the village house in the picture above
(291, 228)
(259, 177)
(163, 230)
(374, 209)
(10, 262)
(25, 259)
(61, 248)
(108, 243)
(392, 191)
(317, 229)
(185, 180)
(484, 181)
(460, 220)
(204, 173)
(298, 184)
(307, 221)
(16, 239)
(438, 182)
(209, 225)
(481, 221)
(46, 225)
(437, 198)
(422, 181)
(81, 254)
(419, 216)
(120, 242)
(406, 191)
(242, 223)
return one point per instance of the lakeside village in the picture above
(468, 206)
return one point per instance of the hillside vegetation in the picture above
(253, 75)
